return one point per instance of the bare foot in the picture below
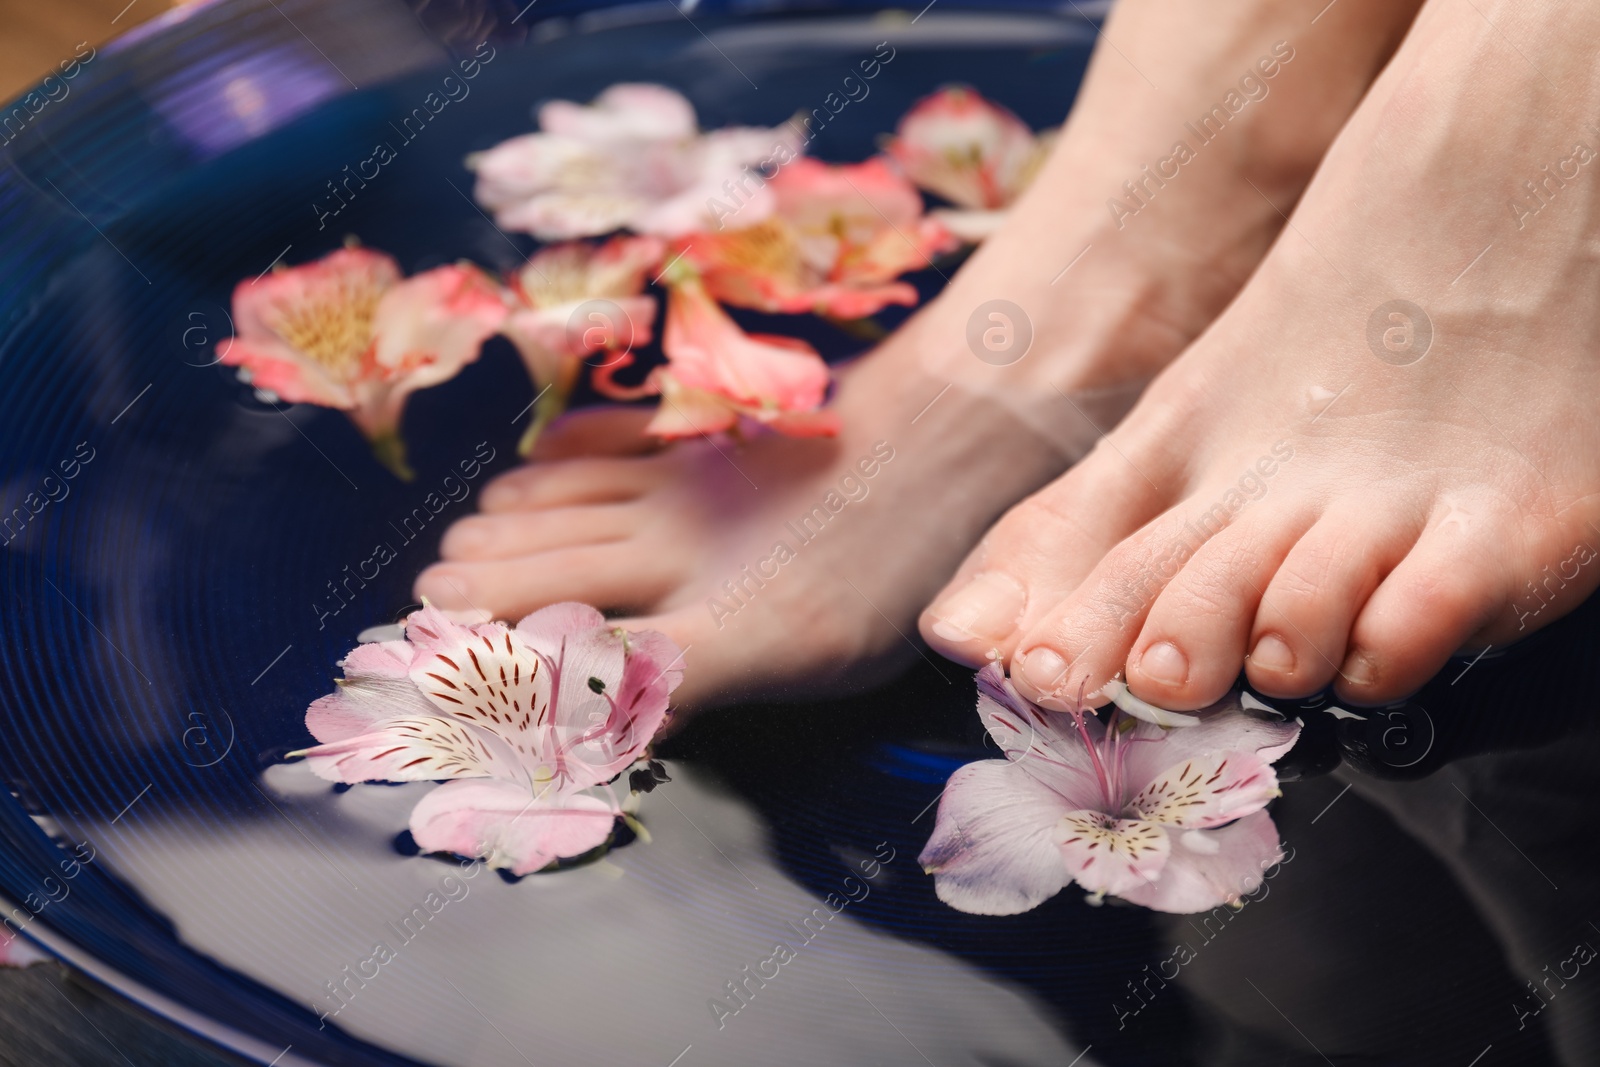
(1334, 484)
(779, 564)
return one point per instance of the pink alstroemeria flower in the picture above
(574, 299)
(716, 373)
(634, 159)
(838, 240)
(1171, 819)
(971, 151)
(347, 332)
(529, 723)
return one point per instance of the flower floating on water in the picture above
(971, 151)
(574, 299)
(634, 159)
(348, 332)
(1172, 819)
(529, 724)
(716, 374)
(838, 239)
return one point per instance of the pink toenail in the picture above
(1273, 654)
(1164, 663)
(1043, 670)
(987, 608)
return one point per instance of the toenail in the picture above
(1360, 669)
(1162, 662)
(1272, 653)
(501, 495)
(466, 537)
(987, 608)
(1043, 670)
(448, 590)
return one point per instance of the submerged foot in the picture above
(780, 565)
(1385, 451)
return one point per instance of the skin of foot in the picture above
(1385, 450)
(789, 567)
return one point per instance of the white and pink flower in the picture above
(572, 300)
(836, 244)
(972, 152)
(633, 159)
(1172, 819)
(348, 332)
(527, 725)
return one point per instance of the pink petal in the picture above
(707, 351)
(613, 689)
(965, 148)
(414, 749)
(993, 849)
(865, 197)
(1224, 727)
(1229, 863)
(275, 366)
(430, 326)
(1043, 743)
(376, 687)
(1207, 790)
(1110, 855)
(505, 825)
(488, 677)
(546, 629)
(625, 111)
(689, 412)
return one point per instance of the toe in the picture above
(597, 431)
(621, 576)
(1193, 643)
(573, 481)
(1448, 588)
(1297, 640)
(1033, 557)
(506, 535)
(1083, 642)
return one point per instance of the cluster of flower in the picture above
(348, 332)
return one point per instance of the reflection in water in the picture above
(698, 938)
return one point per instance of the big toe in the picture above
(1033, 557)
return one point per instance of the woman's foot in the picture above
(1334, 484)
(778, 564)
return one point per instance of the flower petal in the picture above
(1207, 790)
(414, 749)
(1041, 742)
(993, 849)
(970, 225)
(967, 149)
(1224, 727)
(707, 351)
(376, 686)
(431, 325)
(507, 826)
(1200, 879)
(1110, 855)
(625, 111)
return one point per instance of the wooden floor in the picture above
(37, 35)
